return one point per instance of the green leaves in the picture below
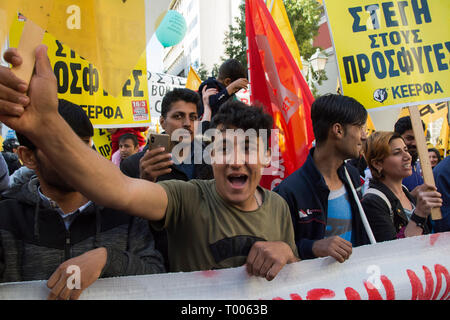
(304, 16)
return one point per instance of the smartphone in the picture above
(160, 140)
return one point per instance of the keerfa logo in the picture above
(380, 95)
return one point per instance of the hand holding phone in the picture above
(157, 160)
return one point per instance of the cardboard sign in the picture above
(392, 53)
(80, 82)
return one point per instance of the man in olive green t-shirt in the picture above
(205, 232)
(249, 225)
(229, 221)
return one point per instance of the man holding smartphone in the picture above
(179, 113)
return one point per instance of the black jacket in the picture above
(386, 224)
(34, 240)
(306, 193)
(216, 100)
(12, 160)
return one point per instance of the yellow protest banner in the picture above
(110, 34)
(8, 12)
(79, 81)
(392, 53)
(435, 118)
(102, 142)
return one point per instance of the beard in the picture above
(52, 178)
(414, 154)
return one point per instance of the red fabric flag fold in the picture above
(278, 85)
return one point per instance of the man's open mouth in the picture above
(237, 180)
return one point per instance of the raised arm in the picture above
(37, 117)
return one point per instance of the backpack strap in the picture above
(382, 196)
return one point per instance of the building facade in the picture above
(207, 22)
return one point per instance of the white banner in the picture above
(412, 268)
(158, 85)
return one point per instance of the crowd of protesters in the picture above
(169, 212)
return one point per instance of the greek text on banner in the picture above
(79, 81)
(392, 53)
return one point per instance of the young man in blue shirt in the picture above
(323, 210)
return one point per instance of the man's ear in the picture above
(338, 130)
(162, 122)
(227, 82)
(28, 157)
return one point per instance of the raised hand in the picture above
(27, 114)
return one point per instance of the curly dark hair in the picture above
(237, 114)
(179, 94)
(404, 124)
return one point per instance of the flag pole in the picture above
(422, 150)
(361, 210)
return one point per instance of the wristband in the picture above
(418, 220)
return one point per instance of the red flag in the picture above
(277, 84)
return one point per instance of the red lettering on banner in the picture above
(317, 294)
(389, 287)
(352, 294)
(433, 238)
(417, 288)
(429, 283)
(440, 271)
(209, 273)
(295, 296)
(418, 292)
(372, 291)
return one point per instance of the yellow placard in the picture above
(102, 142)
(392, 53)
(434, 116)
(79, 81)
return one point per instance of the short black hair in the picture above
(75, 117)
(232, 69)
(333, 108)
(179, 94)
(10, 144)
(404, 124)
(131, 136)
(234, 113)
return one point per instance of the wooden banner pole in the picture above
(423, 154)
